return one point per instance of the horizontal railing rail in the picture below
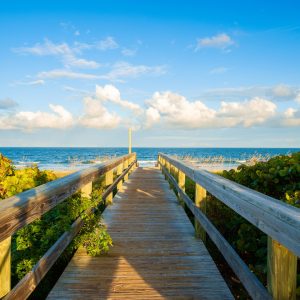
(22, 209)
(280, 221)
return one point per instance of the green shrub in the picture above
(279, 178)
(31, 242)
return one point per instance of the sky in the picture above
(179, 73)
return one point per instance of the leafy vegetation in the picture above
(279, 177)
(31, 242)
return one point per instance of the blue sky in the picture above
(180, 73)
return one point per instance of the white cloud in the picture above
(122, 70)
(67, 54)
(291, 117)
(111, 93)
(219, 70)
(66, 74)
(97, 116)
(128, 52)
(59, 118)
(34, 82)
(286, 92)
(152, 117)
(248, 113)
(176, 111)
(47, 48)
(107, 44)
(221, 41)
(73, 61)
(77, 33)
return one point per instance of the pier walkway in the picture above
(155, 254)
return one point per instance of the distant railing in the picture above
(22, 209)
(280, 221)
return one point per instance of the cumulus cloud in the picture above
(112, 94)
(59, 118)
(163, 109)
(248, 113)
(176, 111)
(97, 116)
(291, 117)
(152, 117)
(221, 41)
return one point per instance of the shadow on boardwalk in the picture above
(155, 254)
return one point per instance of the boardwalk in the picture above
(155, 254)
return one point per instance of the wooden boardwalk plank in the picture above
(155, 254)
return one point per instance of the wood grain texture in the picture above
(254, 287)
(155, 253)
(282, 271)
(5, 262)
(277, 219)
(24, 208)
(109, 178)
(29, 282)
(200, 201)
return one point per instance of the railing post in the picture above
(175, 173)
(200, 201)
(169, 167)
(86, 190)
(181, 180)
(125, 166)
(109, 179)
(282, 271)
(5, 266)
(119, 172)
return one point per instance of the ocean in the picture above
(61, 158)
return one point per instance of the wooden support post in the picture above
(87, 190)
(125, 166)
(181, 180)
(119, 172)
(5, 265)
(109, 179)
(168, 167)
(200, 201)
(175, 173)
(282, 271)
(181, 184)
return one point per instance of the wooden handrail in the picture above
(277, 219)
(254, 287)
(30, 281)
(280, 221)
(24, 208)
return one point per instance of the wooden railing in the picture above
(280, 221)
(22, 209)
